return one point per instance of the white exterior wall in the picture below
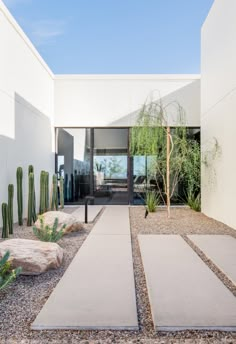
(111, 100)
(218, 117)
(26, 108)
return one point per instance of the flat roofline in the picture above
(127, 77)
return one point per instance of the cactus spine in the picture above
(61, 193)
(5, 232)
(34, 217)
(54, 200)
(19, 178)
(30, 199)
(10, 207)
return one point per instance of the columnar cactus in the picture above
(72, 187)
(61, 193)
(42, 193)
(30, 200)
(5, 231)
(10, 207)
(54, 200)
(66, 187)
(34, 216)
(46, 191)
(19, 178)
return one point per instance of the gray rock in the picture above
(35, 257)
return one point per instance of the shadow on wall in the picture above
(188, 97)
(32, 145)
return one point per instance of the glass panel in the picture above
(111, 166)
(73, 163)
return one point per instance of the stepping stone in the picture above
(184, 293)
(221, 250)
(114, 221)
(93, 212)
(97, 291)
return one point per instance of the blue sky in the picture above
(115, 36)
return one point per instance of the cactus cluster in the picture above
(5, 229)
(10, 207)
(19, 179)
(44, 192)
(54, 198)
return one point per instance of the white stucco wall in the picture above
(218, 119)
(26, 108)
(111, 100)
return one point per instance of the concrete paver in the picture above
(221, 249)
(184, 293)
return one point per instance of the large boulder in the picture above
(72, 224)
(35, 257)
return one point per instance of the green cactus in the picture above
(34, 216)
(46, 191)
(19, 178)
(54, 199)
(30, 200)
(10, 207)
(7, 274)
(61, 192)
(5, 231)
(42, 193)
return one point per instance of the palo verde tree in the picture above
(161, 131)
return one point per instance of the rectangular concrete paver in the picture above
(114, 220)
(184, 293)
(97, 291)
(221, 249)
(93, 212)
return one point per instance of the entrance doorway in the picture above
(94, 161)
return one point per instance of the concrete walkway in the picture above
(184, 293)
(97, 291)
(221, 249)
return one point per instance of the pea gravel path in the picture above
(22, 301)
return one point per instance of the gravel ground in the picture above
(22, 301)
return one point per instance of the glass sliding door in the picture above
(93, 162)
(110, 163)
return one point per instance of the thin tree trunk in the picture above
(168, 171)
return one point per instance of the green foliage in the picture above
(61, 192)
(10, 207)
(34, 216)
(30, 199)
(194, 202)
(46, 233)
(149, 137)
(152, 201)
(7, 275)
(54, 199)
(192, 175)
(19, 179)
(5, 229)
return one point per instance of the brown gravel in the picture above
(22, 301)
